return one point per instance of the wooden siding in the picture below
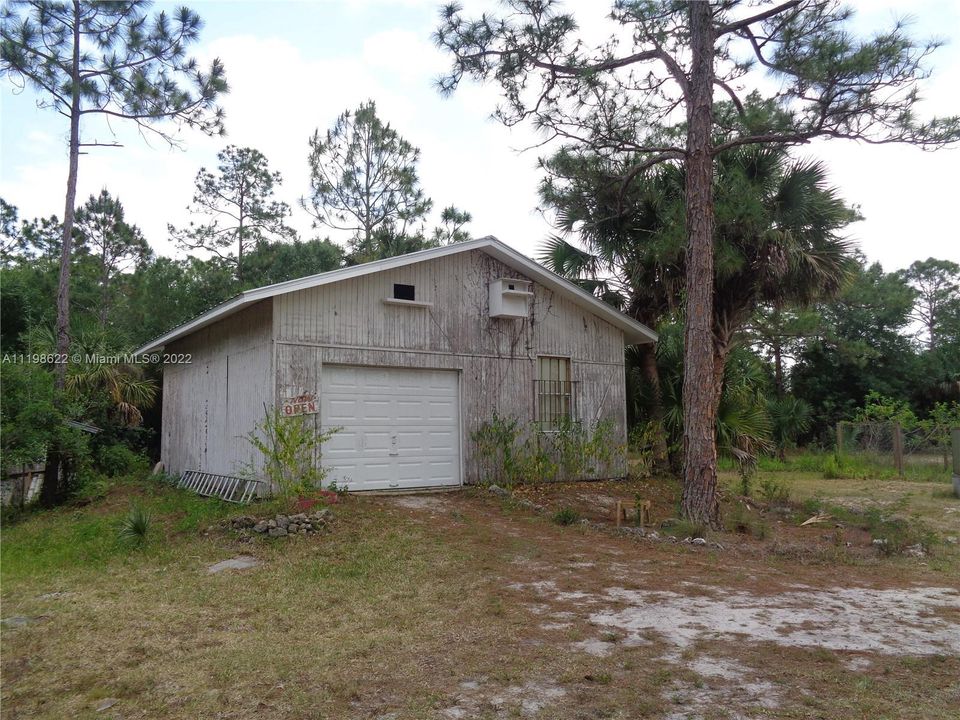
(348, 323)
(213, 402)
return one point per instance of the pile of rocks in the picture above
(284, 525)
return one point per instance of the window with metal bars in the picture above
(555, 393)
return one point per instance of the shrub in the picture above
(291, 451)
(774, 492)
(742, 521)
(566, 516)
(686, 528)
(832, 469)
(117, 459)
(135, 526)
(510, 453)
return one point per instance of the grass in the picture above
(389, 613)
(849, 466)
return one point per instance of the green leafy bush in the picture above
(117, 459)
(510, 453)
(774, 491)
(291, 452)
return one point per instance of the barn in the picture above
(408, 356)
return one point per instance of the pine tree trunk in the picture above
(699, 502)
(778, 368)
(52, 491)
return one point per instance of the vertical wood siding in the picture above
(347, 323)
(212, 403)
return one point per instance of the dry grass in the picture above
(418, 611)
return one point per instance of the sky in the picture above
(294, 67)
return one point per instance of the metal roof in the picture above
(635, 333)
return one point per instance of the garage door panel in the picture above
(401, 427)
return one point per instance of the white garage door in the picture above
(401, 428)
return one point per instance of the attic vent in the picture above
(510, 298)
(404, 292)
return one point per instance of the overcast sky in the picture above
(294, 66)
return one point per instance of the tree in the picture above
(116, 245)
(271, 263)
(451, 228)
(669, 58)
(937, 283)
(239, 206)
(859, 347)
(780, 333)
(776, 233)
(105, 59)
(363, 178)
(10, 239)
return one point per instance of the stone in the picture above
(261, 527)
(716, 545)
(497, 490)
(879, 542)
(653, 535)
(277, 532)
(271, 523)
(914, 551)
(244, 521)
(240, 562)
(299, 518)
(303, 530)
(293, 527)
(950, 540)
(15, 621)
(282, 521)
(106, 704)
(699, 541)
(687, 540)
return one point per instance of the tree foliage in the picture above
(108, 60)
(665, 59)
(111, 242)
(363, 179)
(237, 206)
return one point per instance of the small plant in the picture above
(685, 528)
(290, 447)
(566, 516)
(135, 526)
(832, 469)
(742, 521)
(774, 492)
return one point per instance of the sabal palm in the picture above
(777, 242)
(118, 385)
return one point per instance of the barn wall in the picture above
(347, 323)
(213, 402)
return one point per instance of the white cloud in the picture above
(467, 159)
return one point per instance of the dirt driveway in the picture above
(704, 632)
(463, 605)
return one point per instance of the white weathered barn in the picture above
(407, 355)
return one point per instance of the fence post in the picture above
(839, 439)
(898, 448)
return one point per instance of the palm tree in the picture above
(776, 238)
(102, 380)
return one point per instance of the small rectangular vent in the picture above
(404, 292)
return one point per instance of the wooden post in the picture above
(898, 448)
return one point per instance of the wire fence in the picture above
(915, 451)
